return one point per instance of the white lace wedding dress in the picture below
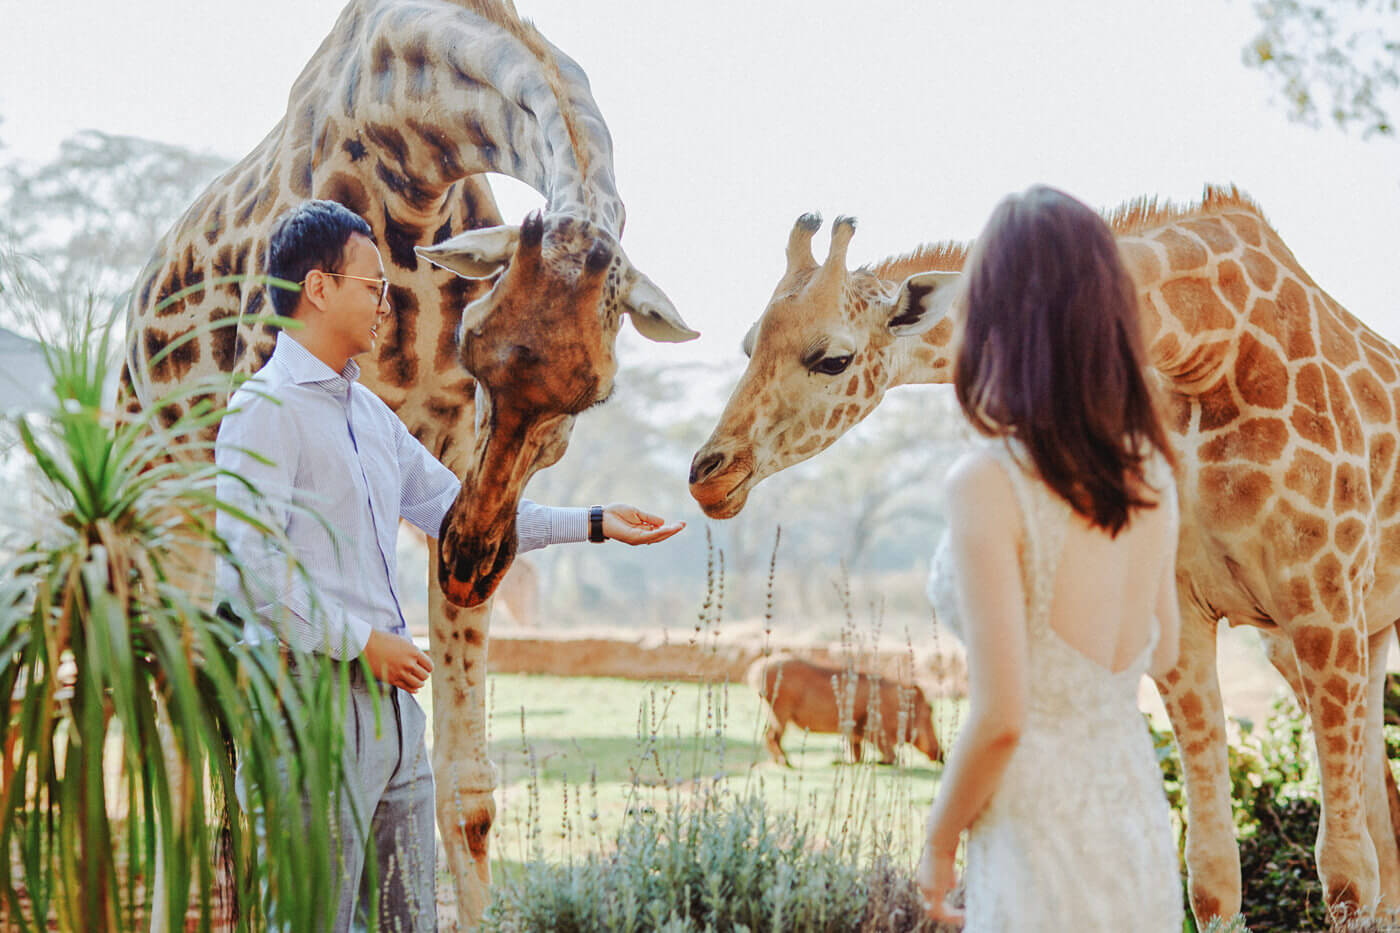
(1078, 834)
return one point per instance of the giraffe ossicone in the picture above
(1284, 411)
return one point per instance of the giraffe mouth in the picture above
(724, 494)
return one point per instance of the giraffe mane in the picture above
(1130, 217)
(944, 256)
(1142, 213)
(503, 14)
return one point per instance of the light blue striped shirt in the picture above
(343, 470)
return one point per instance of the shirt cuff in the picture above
(568, 525)
(357, 632)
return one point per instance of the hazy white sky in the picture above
(731, 118)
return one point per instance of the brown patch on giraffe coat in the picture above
(348, 190)
(854, 385)
(445, 412)
(1331, 586)
(1218, 407)
(1309, 417)
(225, 342)
(1298, 597)
(1338, 343)
(1183, 253)
(398, 361)
(1214, 232)
(1246, 226)
(214, 222)
(389, 141)
(382, 70)
(1141, 261)
(1379, 361)
(1333, 715)
(1313, 646)
(1383, 447)
(1310, 476)
(454, 296)
(442, 149)
(1263, 378)
(1349, 490)
(1233, 495)
(1193, 709)
(400, 237)
(1232, 285)
(417, 195)
(418, 81)
(1260, 440)
(263, 350)
(1370, 396)
(1344, 414)
(1296, 535)
(1194, 302)
(1297, 337)
(1260, 268)
(1348, 655)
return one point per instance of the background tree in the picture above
(87, 220)
(1335, 60)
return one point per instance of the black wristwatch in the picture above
(595, 525)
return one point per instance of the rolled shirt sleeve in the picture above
(429, 489)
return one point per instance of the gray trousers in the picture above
(389, 790)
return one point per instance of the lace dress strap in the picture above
(1045, 518)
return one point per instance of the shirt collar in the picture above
(304, 367)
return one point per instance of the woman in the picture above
(1058, 572)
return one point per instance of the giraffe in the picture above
(396, 115)
(1282, 408)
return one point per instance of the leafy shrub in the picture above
(1275, 794)
(719, 862)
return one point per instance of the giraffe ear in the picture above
(924, 299)
(750, 339)
(653, 314)
(474, 254)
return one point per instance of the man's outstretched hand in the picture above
(631, 525)
(395, 660)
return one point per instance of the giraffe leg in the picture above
(1191, 694)
(463, 773)
(1380, 782)
(1382, 799)
(1333, 663)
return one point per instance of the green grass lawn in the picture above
(575, 755)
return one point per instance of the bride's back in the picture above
(1107, 589)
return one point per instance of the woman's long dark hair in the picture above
(1052, 354)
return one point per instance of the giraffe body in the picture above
(398, 112)
(1282, 409)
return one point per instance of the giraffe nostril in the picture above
(704, 467)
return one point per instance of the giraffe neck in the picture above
(447, 91)
(1194, 276)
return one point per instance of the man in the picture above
(336, 469)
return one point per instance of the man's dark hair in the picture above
(311, 235)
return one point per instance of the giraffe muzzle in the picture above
(719, 482)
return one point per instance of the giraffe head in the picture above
(540, 346)
(821, 356)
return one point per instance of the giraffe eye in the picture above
(832, 365)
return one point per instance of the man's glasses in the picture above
(382, 283)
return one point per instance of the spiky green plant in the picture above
(128, 695)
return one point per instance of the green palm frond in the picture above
(129, 694)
